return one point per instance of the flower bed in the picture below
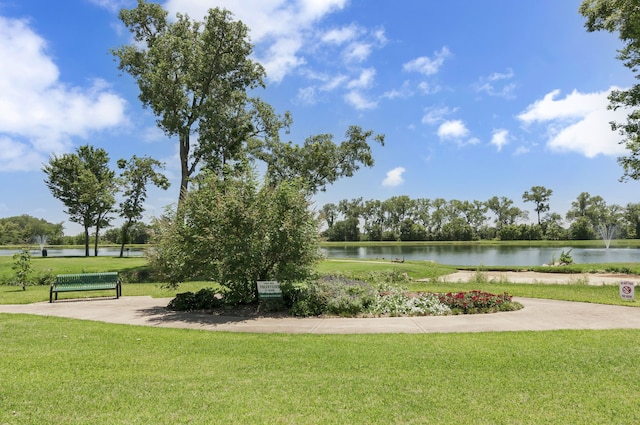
(473, 302)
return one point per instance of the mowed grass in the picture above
(65, 371)
(67, 265)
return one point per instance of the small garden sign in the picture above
(269, 289)
(627, 290)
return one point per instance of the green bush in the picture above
(45, 278)
(204, 299)
(331, 294)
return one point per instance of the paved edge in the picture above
(537, 315)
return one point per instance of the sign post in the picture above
(627, 290)
(269, 290)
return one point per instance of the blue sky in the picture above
(476, 99)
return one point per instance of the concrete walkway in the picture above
(537, 315)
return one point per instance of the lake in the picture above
(78, 252)
(473, 255)
(486, 255)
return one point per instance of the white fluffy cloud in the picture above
(39, 114)
(426, 65)
(579, 122)
(394, 177)
(499, 138)
(453, 129)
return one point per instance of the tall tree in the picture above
(195, 77)
(504, 211)
(623, 17)
(329, 213)
(539, 195)
(136, 174)
(86, 186)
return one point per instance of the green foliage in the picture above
(23, 229)
(565, 257)
(195, 77)
(319, 161)
(86, 186)
(136, 175)
(623, 17)
(204, 299)
(22, 267)
(330, 294)
(235, 233)
(394, 301)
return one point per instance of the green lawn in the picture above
(65, 371)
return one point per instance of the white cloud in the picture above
(356, 99)
(394, 177)
(365, 80)
(427, 88)
(452, 129)
(307, 95)
(426, 65)
(497, 84)
(433, 116)
(577, 123)
(404, 92)
(499, 138)
(358, 52)
(39, 114)
(342, 35)
(278, 27)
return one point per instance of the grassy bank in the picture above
(64, 371)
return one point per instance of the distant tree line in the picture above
(87, 186)
(26, 230)
(401, 218)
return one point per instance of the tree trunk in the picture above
(125, 233)
(184, 165)
(86, 240)
(95, 245)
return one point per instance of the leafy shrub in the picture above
(331, 294)
(204, 299)
(395, 301)
(45, 278)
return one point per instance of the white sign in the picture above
(627, 290)
(269, 289)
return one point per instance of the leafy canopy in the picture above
(623, 17)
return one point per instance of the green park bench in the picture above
(85, 282)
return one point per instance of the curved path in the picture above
(537, 315)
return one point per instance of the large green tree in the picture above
(86, 186)
(136, 174)
(623, 17)
(195, 77)
(539, 195)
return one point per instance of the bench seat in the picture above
(85, 282)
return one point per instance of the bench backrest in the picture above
(87, 279)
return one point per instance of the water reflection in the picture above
(476, 255)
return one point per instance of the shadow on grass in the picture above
(162, 316)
